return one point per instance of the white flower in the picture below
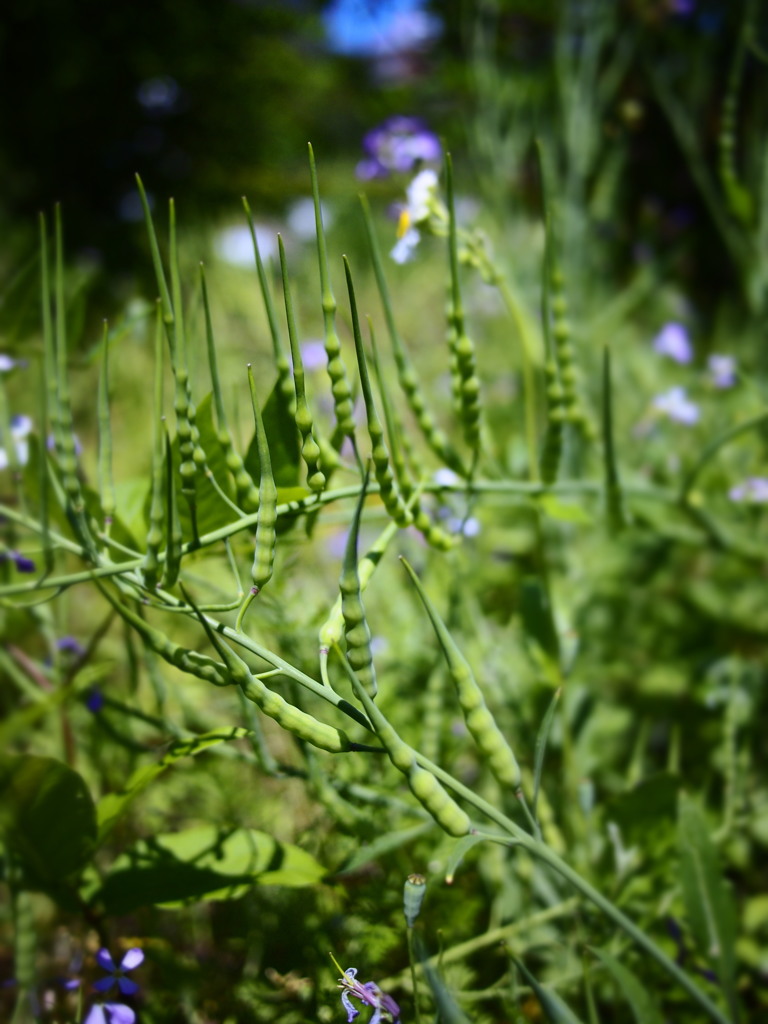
(419, 194)
(21, 427)
(405, 247)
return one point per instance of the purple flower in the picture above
(673, 341)
(22, 563)
(95, 700)
(7, 363)
(722, 371)
(682, 7)
(676, 404)
(398, 145)
(754, 490)
(116, 1013)
(130, 961)
(369, 993)
(69, 645)
(313, 355)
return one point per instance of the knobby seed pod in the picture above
(191, 455)
(245, 489)
(189, 661)
(25, 942)
(739, 200)
(266, 517)
(414, 890)
(310, 450)
(357, 633)
(407, 376)
(480, 722)
(173, 535)
(552, 449)
(463, 348)
(293, 719)
(151, 563)
(284, 380)
(59, 407)
(343, 404)
(388, 489)
(423, 784)
(106, 484)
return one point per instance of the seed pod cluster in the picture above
(427, 789)
(553, 439)
(357, 633)
(573, 410)
(310, 449)
(480, 722)
(340, 389)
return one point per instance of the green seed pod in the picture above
(310, 450)
(357, 634)
(151, 563)
(424, 786)
(480, 722)
(463, 349)
(388, 489)
(409, 381)
(414, 890)
(266, 517)
(291, 718)
(245, 489)
(342, 393)
(25, 940)
(434, 798)
(173, 535)
(106, 484)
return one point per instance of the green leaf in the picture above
(538, 620)
(647, 810)
(708, 902)
(555, 1010)
(384, 844)
(203, 863)
(47, 817)
(283, 438)
(114, 805)
(642, 1003)
(564, 511)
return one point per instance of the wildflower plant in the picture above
(515, 732)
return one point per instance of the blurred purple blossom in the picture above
(722, 371)
(8, 363)
(379, 28)
(313, 354)
(397, 145)
(369, 993)
(676, 404)
(682, 7)
(22, 563)
(673, 341)
(69, 645)
(95, 700)
(116, 1013)
(116, 974)
(754, 490)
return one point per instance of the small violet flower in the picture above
(110, 1013)
(399, 145)
(722, 371)
(369, 993)
(676, 404)
(130, 961)
(673, 341)
(22, 563)
(754, 490)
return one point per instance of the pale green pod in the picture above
(435, 798)
(468, 383)
(388, 489)
(245, 489)
(151, 562)
(291, 718)
(414, 891)
(173, 534)
(340, 389)
(480, 722)
(106, 483)
(266, 517)
(310, 450)
(357, 633)
(407, 376)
